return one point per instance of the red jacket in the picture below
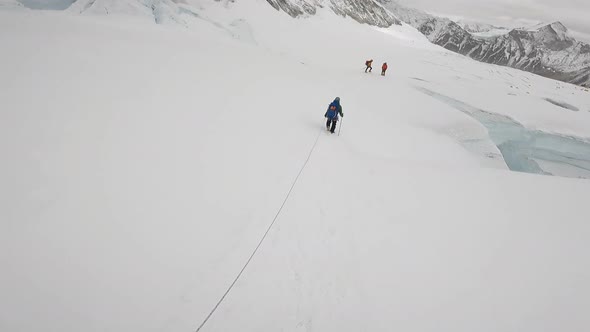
(384, 66)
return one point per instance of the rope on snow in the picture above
(263, 237)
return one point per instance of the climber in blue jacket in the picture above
(332, 113)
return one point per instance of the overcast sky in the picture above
(574, 14)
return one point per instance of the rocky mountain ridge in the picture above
(547, 50)
(363, 11)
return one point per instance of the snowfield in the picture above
(142, 163)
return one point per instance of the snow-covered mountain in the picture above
(547, 50)
(10, 4)
(160, 11)
(482, 30)
(362, 11)
(476, 27)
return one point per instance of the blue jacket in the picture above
(333, 110)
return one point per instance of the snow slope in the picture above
(142, 163)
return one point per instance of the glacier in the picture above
(526, 150)
(142, 161)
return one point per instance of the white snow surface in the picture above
(142, 163)
(476, 27)
(491, 33)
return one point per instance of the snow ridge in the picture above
(547, 50)
(476, 27)
(159, 11)
(363, 11)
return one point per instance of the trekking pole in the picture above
(340, 127)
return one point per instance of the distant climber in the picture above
(332, 114)
(369, 64)
(383, 69)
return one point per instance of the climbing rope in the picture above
(263, 237)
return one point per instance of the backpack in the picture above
(332, 111)
(367, 63)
